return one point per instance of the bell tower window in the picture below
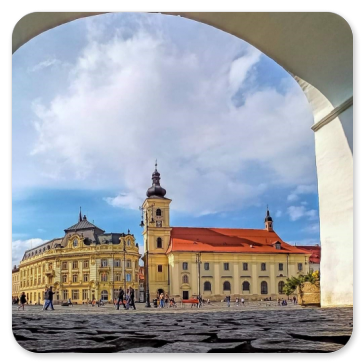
(159, 243)
(158, 212)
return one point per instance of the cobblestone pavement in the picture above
(256, 327)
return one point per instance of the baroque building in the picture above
(185, 262)
(83, 265)
(15, 282)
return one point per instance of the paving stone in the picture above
(293, 345)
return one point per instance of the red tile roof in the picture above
(228, 240)
(315, 253)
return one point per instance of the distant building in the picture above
(15, 282)
(214, 262)
(314, 259)
(85, 264)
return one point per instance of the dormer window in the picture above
(277, 245)
(75, 242)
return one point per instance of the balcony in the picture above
(50, 272)
(104, 268)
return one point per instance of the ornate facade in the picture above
(214, 262)
(15, 282)
(84, 265)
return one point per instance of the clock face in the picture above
(158, 223)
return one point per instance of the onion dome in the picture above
(268, 218)
(156, 190)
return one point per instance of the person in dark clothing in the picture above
(132, 298)
(50, 299)
(120, 300)
(22, 301)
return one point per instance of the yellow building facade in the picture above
(186, 262)
(15, 282)
(86, 264)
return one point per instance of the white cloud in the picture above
(44, 64)
(132, 99)
(301, 189)
(297, 212)
(278, 214)
(312, 228)
(20, 246)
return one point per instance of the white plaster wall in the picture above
(334, 161)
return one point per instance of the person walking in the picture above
(132, 298)
(50, 299)
(70, 302)
(237, 301)
(161, 305)
(120, 299)
(46, 298)
(243, 301)
(22, 301)
(228, 299)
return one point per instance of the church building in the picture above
(184, 262)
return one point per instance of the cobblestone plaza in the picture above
(258, 327)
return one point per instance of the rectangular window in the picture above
(64, 265)
(117, 263)
(85, 277)
(104, 277)
(281, 267)
(245, 266)
(103, 263)
(75, 294)
(160, 268)
(226, 266)
(65, 294)
(75, 264)
(185, 265)
(75, 278)
(85, 264)
(128, 277)
(300, 266)
(85, 295)
(64, 278)
(128, 264)
(118, 277)
(263, 266)
(206, 266)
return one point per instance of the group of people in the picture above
(238, 301)
(129, 298)
(48, 298)
(283, 302)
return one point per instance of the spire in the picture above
(156, 190)
(268, 221)
(80, 214)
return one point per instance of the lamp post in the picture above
(146, 224)
(198, 261)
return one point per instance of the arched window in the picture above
(281, 285)
(246, 286)
(207, 286)
(104, 295)
(159, 242)
(264, 287)
(185, 279)
(158, 212)
(226, 286)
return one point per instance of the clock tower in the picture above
(156, 234)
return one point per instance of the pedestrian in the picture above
(237, 301)
(132, 298)
(127, 298)
(50, 299)
(228, 299)
(161, 305)
(46, 298)
(278, 302)
(120, 300)
(294, 299)
(243, 301)
(200, 301)
(208, 301)
(22, 301)
(70, 302)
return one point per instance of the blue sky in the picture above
(95, 102)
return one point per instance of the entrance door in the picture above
(185, 295)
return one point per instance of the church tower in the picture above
(156, 223)
(268, 222)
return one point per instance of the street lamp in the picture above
(142, 224)
(198, 261)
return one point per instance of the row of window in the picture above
(244, 266)
(246, 286)
(104, 277)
